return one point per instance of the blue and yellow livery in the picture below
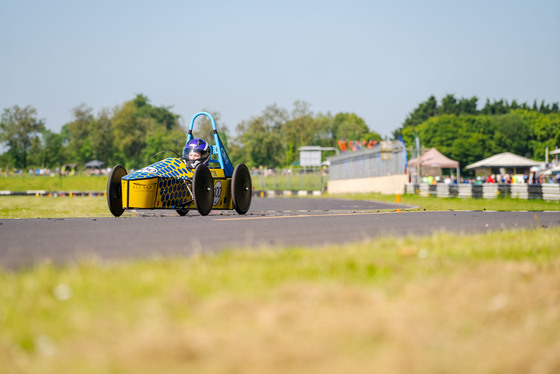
(169, 184)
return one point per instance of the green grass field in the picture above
(54, 207)
(68, 183)
(445, 303)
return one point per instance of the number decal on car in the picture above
(217, 192)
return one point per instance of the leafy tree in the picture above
(276, 128)
(421, 113)
(511, 134)
(349, 126)
(52, 151)
(101, 137)
(35, 152)
(326, 137)
(141, 130)
(501, 106)
(275, 118)
(5, 161)
(449, 105)
(159, 140)
(262, 146)
(439, 130)
(267, 127)
(468, 106)
(129, 135)
(161, 115)
(299, 130)
(79, 143)
(545, 131)
(261, 141)
(19, 129)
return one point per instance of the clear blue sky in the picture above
(378, 59)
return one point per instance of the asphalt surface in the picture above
(281, 221)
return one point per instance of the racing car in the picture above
(173, 183)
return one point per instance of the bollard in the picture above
(398, 198)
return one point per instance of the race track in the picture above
(281, 221)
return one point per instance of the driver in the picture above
(196, 152)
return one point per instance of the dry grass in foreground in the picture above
(487, 303)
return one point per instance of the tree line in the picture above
(464, 133)
(132, 134)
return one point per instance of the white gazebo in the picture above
(506, 160)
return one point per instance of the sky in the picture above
(377, 59)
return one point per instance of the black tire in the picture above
(114, 190)
(183, 211)
(203, 189)
(241, 189)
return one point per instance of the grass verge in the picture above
(53, 184)
(455, 203)
(439, 303)
(53, 207)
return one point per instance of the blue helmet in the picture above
(196, 152)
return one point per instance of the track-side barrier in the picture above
(487, 190)
(286, 193)
(43, 193)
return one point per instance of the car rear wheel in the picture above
(114, 190)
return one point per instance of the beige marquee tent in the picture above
(431, 163)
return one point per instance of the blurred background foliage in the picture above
(133, 132)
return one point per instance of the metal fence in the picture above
(386, 158)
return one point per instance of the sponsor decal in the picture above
(148, 169)
(224, 156)
(143, 187)
(217, 192)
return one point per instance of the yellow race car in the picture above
(179, 184)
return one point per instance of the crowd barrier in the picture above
(487, 190)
